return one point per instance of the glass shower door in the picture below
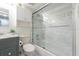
(38, 30)
(53, 29)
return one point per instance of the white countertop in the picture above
(8, 35)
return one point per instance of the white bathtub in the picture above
(42, 52)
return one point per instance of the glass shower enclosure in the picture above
(53, 29)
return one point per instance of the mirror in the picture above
(4, 17)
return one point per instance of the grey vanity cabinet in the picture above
(9, 52)
(9, 46)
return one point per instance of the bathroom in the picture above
(39, 29)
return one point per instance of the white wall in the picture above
(24, 23)
(24, 13)
(12, 16)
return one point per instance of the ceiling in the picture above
(34, 6)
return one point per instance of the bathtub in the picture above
(42, 52)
